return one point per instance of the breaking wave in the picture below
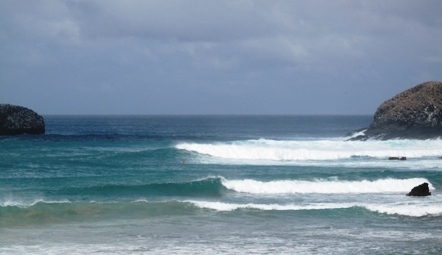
(273, 150)
(411, 210)
(324, 186)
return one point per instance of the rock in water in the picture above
(397, 158)
(420, 191)
(415, 113)
(17, 120)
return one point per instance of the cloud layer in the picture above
(180, 57)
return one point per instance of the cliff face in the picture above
(16, 120)
(415, 113)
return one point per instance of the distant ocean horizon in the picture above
(216, 184)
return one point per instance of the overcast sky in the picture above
(215, 57)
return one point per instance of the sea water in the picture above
(216, 185)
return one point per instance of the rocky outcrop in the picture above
(413, 114)
(420, 191)
(17, 120)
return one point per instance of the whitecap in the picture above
(263, 149)
(321, 186)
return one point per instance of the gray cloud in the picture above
(109, 56)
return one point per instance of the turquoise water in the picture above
(216, 185)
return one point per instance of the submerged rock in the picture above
(397, 158)
(17, 120)
(415, 113)
(420, 191)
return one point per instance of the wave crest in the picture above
(324, 186)
(273, 150)
(411, 210)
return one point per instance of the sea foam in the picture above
(220, 206)
(411, 210)
(24, 204)
(288, 150)
(324, 186)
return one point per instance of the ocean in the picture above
(216, 185)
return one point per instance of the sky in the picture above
(215, 56)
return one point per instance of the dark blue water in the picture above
(216, 185)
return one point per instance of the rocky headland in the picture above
(415, 113)
(17, 120)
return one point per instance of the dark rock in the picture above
(17, 120)
(397, 158)
(420, 191)
(415, 113)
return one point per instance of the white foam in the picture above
(22, 204)
(220, 206)
(411, 210)
(324, 186)
(263, 149)
(420, 164)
